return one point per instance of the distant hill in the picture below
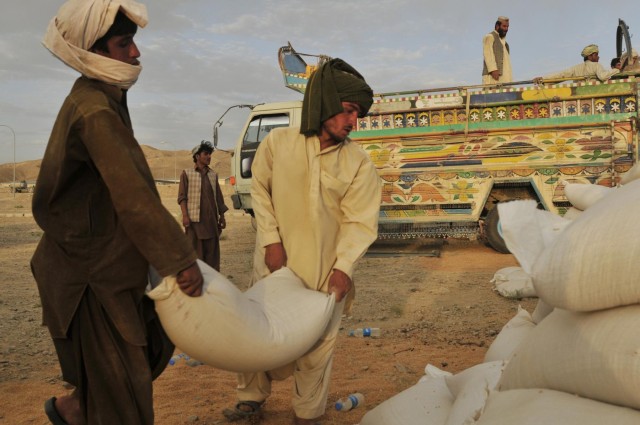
(162, 164)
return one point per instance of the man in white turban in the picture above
(496, 67)
(98, 206)
(589, 68)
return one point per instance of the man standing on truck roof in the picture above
(316, 197)
(589, 68)
(202, 205)
(495, 50)
(104, 224)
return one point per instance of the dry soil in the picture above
(440, 310)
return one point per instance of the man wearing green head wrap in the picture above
(333, 82)
(316, 198)
(589, 68)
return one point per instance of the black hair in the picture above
(205, 146)
(122, 25)
(614, 62)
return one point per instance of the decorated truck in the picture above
(447, 156)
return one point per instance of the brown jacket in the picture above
(102, 217)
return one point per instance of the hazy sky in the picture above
(202, 56)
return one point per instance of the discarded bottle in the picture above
(188, 360)
(175, 359)
(351, 402)
(366, 332)
(194, 363)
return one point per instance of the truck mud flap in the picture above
(236, 202)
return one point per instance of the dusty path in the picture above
(438, 310)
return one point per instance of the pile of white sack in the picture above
(576, 359)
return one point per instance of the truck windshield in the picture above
(261, 125)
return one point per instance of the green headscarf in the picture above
(335, 81)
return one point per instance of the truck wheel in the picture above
(494, 233)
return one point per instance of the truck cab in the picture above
(262, 119)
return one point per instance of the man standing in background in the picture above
(202, 205)
(495, 50)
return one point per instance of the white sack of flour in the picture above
(593, 264)
(548, 407)
(594, 355)
(273, 323)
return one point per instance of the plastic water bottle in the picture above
(350, 402)
(176, 359)
(194, 363)
(366, 332)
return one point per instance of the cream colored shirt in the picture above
(490, 59)
(322, 205)
(588, 69)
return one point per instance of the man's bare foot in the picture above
(68, 408)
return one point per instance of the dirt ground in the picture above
(431, 309)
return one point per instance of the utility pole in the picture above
(14, 157)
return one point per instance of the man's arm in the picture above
(146, 221)
(268, 235)
(359, 228)
(222, 207)
(183, 190)
(360, 208)
(603, 74)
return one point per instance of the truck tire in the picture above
(494, 233)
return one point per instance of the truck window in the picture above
(257, 130)
(260, 126)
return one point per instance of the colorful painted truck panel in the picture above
(446, 159)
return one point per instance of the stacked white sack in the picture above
(273, 323)
(589, 346)
(594, 263)
(529, 233)
(439, 398)
(427, 402)
(513, 282)
(548, 407)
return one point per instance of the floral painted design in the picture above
(561, 148)
(462, 190)
(543, 112)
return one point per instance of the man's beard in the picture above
(502, 33)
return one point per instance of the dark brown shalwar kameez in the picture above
(103, 225)
(204, 234)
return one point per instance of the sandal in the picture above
(52, 413)
(245, 409)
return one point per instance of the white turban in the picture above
(589, 50)
(634, 54)
(79, 24)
